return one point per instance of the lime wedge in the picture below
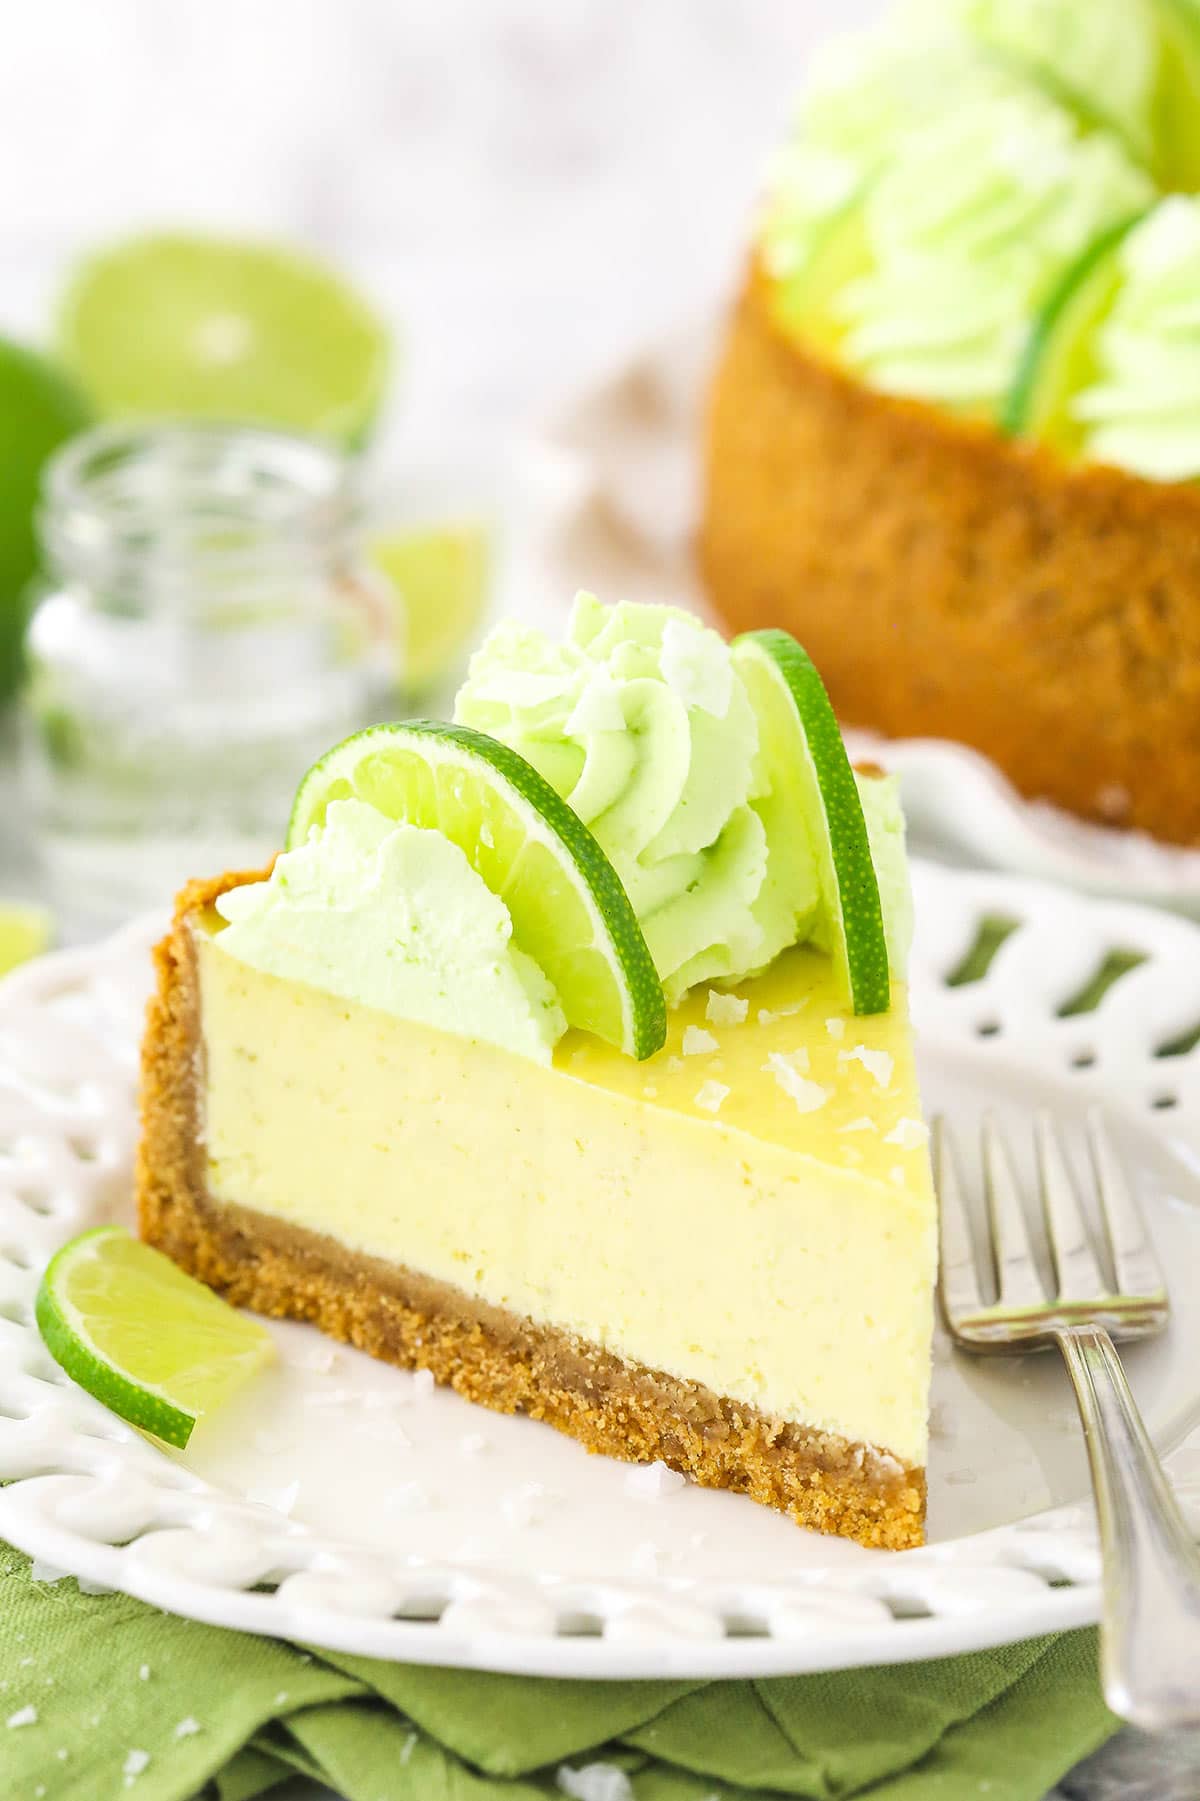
(39, 409)
(805, 305)
(440, 575)
(1059, 356)
(24, 932)
(569, 910)
(209, 328)
(1177, 103)
(806, 759)
(153, 1344)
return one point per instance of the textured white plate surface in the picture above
(348, 1504)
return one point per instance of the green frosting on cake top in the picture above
(1143, 411)
(641, 721)
(969, 228)
(950, 168)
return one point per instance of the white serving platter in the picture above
(348, 1504)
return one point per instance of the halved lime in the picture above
(1177, 103)
(1059, 355)
(807, 759)
(440, 575)
(153, 1344)
(24, 932)
(805, 305)
(569, 910)
(210, 328)
(39, 409)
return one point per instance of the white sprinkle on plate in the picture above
(653, 1481)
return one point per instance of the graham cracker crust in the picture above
(953, 583)
(487, 1354)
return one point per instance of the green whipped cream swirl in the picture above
(969, 226)
(394, 916)
(640, 721)
(1098, 57)
(866, 92)
(1143, 411)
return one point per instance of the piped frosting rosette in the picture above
(639, 720)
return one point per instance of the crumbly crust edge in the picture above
(951, 582)
(488, 1355)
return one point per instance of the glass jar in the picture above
(204, 631)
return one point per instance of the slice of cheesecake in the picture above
(721, 1257)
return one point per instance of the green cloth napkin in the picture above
(105, 1699)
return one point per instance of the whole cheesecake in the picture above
(975, 498)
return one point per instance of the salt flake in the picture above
(725, 1009)
(710, 1095)
(697, 1042)
(653, 1481)
(909, 1134)
(24, 1716)
(767, 1018)
(595, 1782)
(876, 1063)
(808, 1096)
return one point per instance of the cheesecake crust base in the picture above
(953, 583)
(487, 1354)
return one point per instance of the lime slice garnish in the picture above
(568, 908)
(806, 759)
(207, 328)
(1059, 356)
(153, 1344)
(440, 576)
(24, 932)
(1177, 103)
(39, 410)
(806, 304)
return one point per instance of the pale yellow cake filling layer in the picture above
(774, 1241)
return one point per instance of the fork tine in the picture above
(959, 1275)
(1137, 1267)
(1017, 1280)
(1075, 1265)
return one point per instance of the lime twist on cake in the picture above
(954, 439)
(564, 1053)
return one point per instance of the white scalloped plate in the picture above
(344, 1504)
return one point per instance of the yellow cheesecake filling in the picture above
(750, 1209)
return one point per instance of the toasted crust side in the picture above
(950, 582)
(487, 1354)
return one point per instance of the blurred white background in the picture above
(527, 187)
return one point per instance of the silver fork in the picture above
(1150, 1626)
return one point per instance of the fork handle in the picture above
(1150, 1629)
